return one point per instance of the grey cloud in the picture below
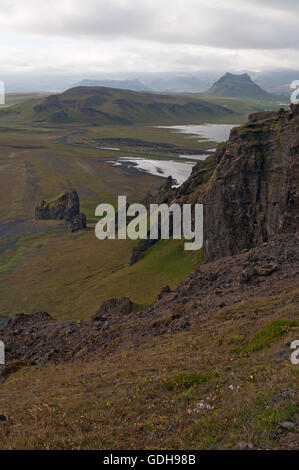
(233, 24)
(284, 5)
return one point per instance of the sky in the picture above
(85, 38)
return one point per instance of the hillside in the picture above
(100, 105)
(239, 86)
(207, 365)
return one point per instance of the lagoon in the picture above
(211, 132)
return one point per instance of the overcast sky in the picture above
(92, 36)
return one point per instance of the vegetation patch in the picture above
(271, 333)
(184, 381)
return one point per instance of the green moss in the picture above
(168, 257)
(20, 253)
(22, 247)
(52, 202)
(271, 333)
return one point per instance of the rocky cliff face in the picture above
(249, 187)
(253, 192)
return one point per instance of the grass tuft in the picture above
(184, 381)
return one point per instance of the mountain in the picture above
(177, 84)
(277, 81)
(133, 85)
(100, 105)
(238, 86)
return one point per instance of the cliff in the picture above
(249, 187)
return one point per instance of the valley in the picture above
(204, 335)
(39, 160)
(149, 232)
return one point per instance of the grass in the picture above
(242, 106)
(77, 272)
(20, 249)
(7, 266)
(269, 334)
(124, 401)
(184, 381)
(11, 99)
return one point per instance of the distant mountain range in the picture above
(277, 82)
(274, 81)
(229, 85)
(180, 84)
(238, 86)
(161, 84)
(133, 85)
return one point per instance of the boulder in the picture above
(114, 306)
(266, 269)
(78, 222)
(166, 290)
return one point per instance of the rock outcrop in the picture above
(65, 207)
(78, 222)
(114, 306)
(249, 187)
(253, 192)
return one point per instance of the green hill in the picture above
(134, 85)
(100, 105)
(239, 86)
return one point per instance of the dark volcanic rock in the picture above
(166, 290)
(249, 187)
(266, 269)
(247, 275)
(167, 185)
(21, 320)
(78, 222)
(114, 306)
(65, 207)
(253, 194)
